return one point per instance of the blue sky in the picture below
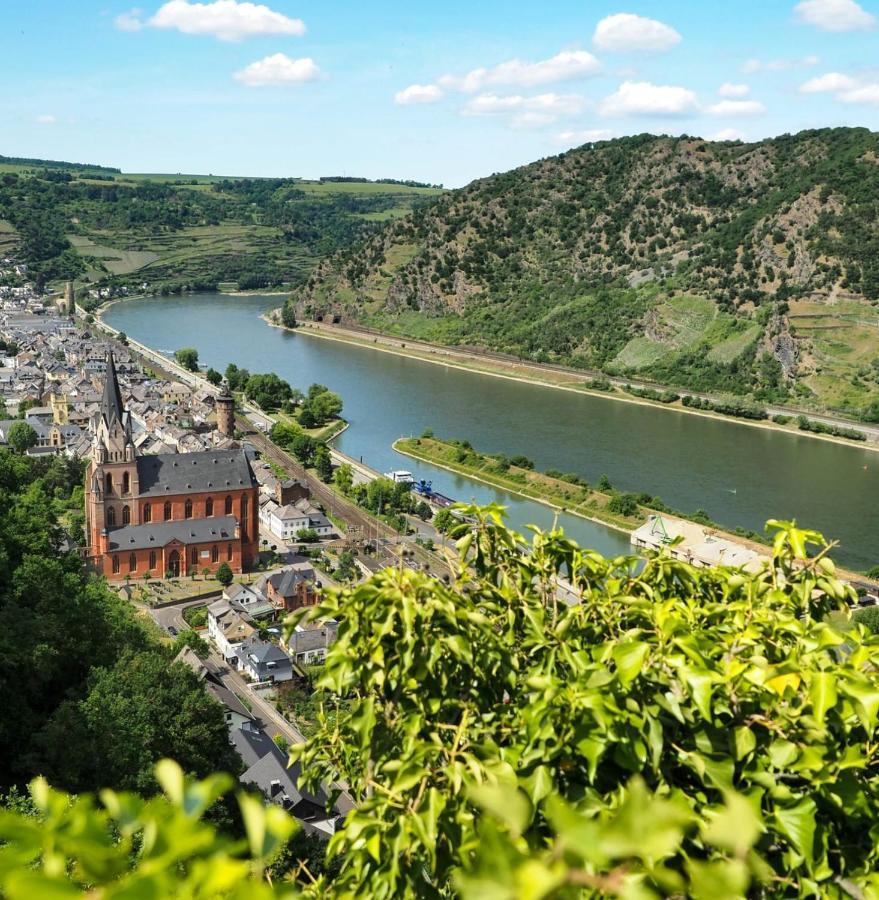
(439, 92)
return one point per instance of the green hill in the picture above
(105, 228)
(745, 268)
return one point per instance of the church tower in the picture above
(226, 412)
(112, 481)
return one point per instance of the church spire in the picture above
(111, 402)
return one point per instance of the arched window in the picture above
(209, 506)
(126, 515)
(187, 509)
(132, 562)
(193, 556)
(152, 560)
(115, 565)
(229, 552)
(126, 483)
(215, 554)
(167, 510)
(111, 517)
(108, 481)
(148, 512)
(244, 506)
(228, 506)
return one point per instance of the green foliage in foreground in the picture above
(695, 732)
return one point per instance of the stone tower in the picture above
(225, 412)
(69, 299)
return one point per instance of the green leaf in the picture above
(797, 824)
(505, 802)
(822, 693)
(629, 658)
(735, 827)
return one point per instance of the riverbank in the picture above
(571, 380)
(557, 493)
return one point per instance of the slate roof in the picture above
(267, 763)
(182, 473)
(285, 581)
(157, 534)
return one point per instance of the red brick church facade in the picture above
(166, 514)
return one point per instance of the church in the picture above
(168, 514)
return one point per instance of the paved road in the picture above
(172, 615)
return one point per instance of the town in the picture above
(198, 520)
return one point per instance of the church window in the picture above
(132, 562)
(215, 554)
(148, 512)
(115, 565)
(152, 559)
(126, 483)
(109, 483)
(209, 507)
(244, 518)
(167, 510)
(193, 556)
(126, 515)
(187, 509)
(229, 551)
(111, 517)
(228, 506)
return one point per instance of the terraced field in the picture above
(840, 344)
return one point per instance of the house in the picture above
(249, 600)
(285, 522)
(228, 629)
(267, 771)
(264, 661)
(291, 588)
(308, 643)
(236, 713)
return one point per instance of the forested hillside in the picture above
(106, 229)
(90, 696)
(746, 268)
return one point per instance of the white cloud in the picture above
(834, 15)
(227, 20)
(641, 98)
(733, 90)
(752, 66)
(529, 120)
(45, 120)
(737, 108)
(866, 93)
(553, 105)
(625, 32)
(278, 70)
(832, 83)
(418, 93)
(728, 134)
(564, 66)
(583, 136)
(129, 21)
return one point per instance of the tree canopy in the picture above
(704, 732)
(187, 357)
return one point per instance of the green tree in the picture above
(214, 377)
(135, 713)
(288, 315)
(346, 568)
(192, 639)
(323, 463)
(188, 358)
(325, 406)
(268, 391)
(21, 437)
(224, 574)
(444, 521)
(654, 708)
(343, 477)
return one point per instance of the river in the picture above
(739, 475)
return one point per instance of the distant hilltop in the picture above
(55, 164)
